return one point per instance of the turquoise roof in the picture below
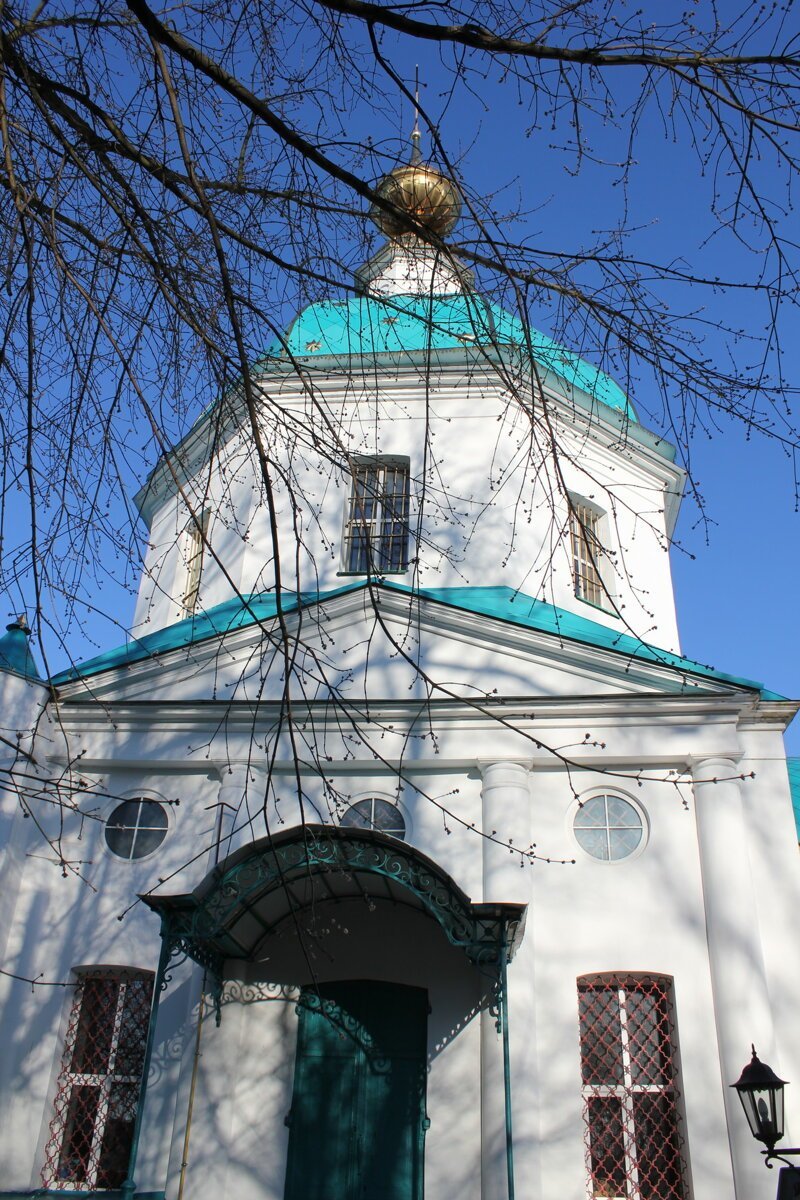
(15, 652)
(793, 767)
(501, 603)
(367, 325)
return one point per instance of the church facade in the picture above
(408, 855)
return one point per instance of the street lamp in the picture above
(761, 1093)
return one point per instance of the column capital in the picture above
(515, 767)
(230, 771)
(708, 768)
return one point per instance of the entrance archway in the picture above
(269, 898)
(246, 897)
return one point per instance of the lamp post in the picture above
(761, 1093)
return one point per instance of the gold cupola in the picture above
(421, 194)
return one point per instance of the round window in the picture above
(136, 828)
(608, 828)
(375, 814)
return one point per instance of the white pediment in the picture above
(381, 644)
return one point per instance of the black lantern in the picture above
(761, 1093)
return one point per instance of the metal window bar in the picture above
(194, 564)
(376, 536)
(586, 551)
(99, 1082)
(630, 1092)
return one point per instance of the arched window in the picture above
(375, 813)
(589, 554)
(629, 1072)
(194, 552)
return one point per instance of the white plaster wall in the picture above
(161, 1143)
(223, 489)
(59, 924)
(488, 496)
(77, 925)
(22, 704)
(644, 914)
(157, 602)
(391, 646)
(68, 919)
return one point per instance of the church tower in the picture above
(417, 432)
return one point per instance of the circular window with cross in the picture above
(136, 828)
(608, 828)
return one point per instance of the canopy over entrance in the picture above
(245, 899)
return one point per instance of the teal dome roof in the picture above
(368, 325)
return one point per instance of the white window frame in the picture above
(371, 798)
(373, 530)
(140, 797)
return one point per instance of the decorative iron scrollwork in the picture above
(200, 925)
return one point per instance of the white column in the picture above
(506, 817)
(494, 1176)
(237, 819)
(741, 999)
(506, 805)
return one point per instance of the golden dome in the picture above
(421, 192)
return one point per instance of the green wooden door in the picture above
(357, 1122)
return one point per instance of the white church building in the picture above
(407, 854)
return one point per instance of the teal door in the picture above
(357, 1122)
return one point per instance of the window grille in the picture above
(376, 536)
(630, 1090)
(195, 550)
(99, 1083)
(587, 549)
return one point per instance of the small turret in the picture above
(15, 651)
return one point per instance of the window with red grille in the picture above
(630, 1090)
(99, 1082)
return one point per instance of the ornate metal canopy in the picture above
(248, 895)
